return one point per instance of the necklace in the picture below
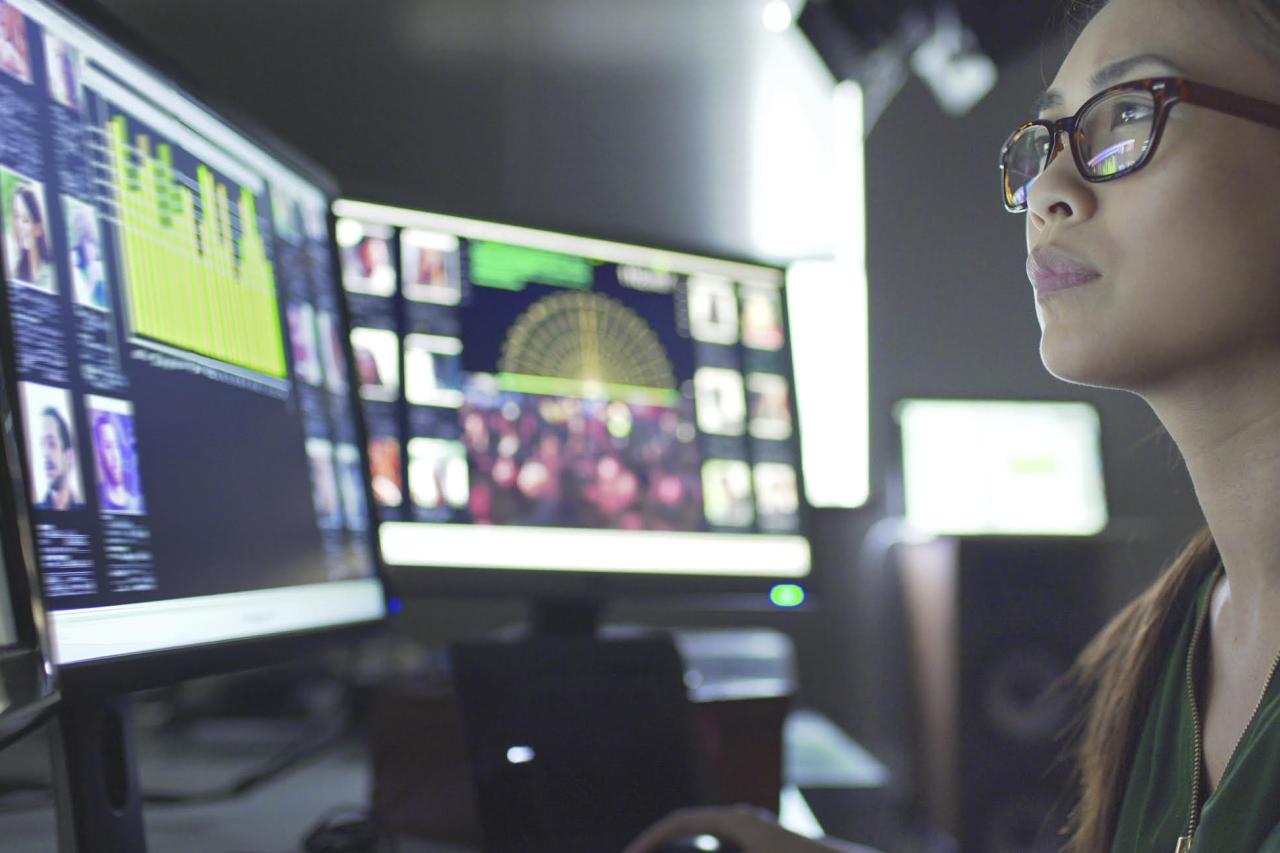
(1193, 819)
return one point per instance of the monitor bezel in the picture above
(701, 591)
(126, 673)
(29, 680)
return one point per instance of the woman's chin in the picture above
(1081, 366)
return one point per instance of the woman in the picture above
(1152, 242)
(115, 491)
(31, 239)
(13, 44)
(88, 273)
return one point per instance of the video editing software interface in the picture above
(192, 465)
(547, 402)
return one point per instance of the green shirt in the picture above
(1243, 813)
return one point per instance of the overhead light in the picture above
(777, 16)
(954, 67)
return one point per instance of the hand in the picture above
(753, 830)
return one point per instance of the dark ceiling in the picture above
(1005, 29)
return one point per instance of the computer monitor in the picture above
(557, 414)
(193, 464)
(1002, 467)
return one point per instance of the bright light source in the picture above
(349, 232)
(829, 335)
(404, 543)
(520, 755)
(827, 307)
(707, 842)
(777, 16)
(790, 147)
(787, 595)
(999, 467)
(953, 66)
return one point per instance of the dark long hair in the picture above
(28, 197)
(1117, 673)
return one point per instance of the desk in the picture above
(275, 818)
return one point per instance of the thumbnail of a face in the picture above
(768, 398)
(367, 260)
(713, 310)
(726, 489)
(720, 401)
(429, 267)
(762, 317)
(777, 492)
(377, 362)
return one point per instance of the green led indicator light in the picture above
(787, 595)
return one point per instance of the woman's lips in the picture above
(1052, 269)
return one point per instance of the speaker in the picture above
(994, 624)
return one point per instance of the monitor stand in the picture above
(566, 618)
(98, 802)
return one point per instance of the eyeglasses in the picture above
(1115, 133)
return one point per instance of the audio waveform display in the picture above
(198, 276)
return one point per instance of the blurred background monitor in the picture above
(179, 382)
(993, 467)
(556, 413)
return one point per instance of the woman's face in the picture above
(24, 223)
(86, 239)
(1186, 248)
(110, 454)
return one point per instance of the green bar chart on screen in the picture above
(198, 275)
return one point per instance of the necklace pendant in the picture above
(1184, 845)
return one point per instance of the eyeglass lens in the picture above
(1114, 134)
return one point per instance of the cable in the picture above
(344, 829)
(19, 794)
(23, 799)
(36, 722)
(304, 748)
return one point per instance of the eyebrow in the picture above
(1105, 76)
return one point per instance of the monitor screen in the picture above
(191, 444)
(973, 467)
(543, 402)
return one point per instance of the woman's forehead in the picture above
(1201, 38)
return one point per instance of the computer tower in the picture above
(994, 624)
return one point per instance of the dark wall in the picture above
(633, 127)
(606, 117)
